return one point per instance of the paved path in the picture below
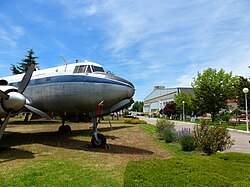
(241, 138)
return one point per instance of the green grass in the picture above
(231, 169)
(241, 126)
(45, 158)
(173, 148)
(188, 168)
(57, 173)
(32, 161)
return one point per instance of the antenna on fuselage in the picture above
(64, 63)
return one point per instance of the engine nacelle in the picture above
(14, 103)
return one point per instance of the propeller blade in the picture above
(26, 79)
(5, 122)
(37, 111)
(3, 95)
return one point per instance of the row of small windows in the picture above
(37, 81)
(88, 69)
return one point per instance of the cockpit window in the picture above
(80, 69)
(89, 70)
(97, 69)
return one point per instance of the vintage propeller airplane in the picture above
(69, 91)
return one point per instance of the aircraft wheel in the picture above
(64, 129)
(101, 141)
(68, 129)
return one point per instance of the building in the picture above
(158, 98)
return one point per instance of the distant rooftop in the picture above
(162, 91)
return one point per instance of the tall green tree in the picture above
(188, 98)
(25, 63)
(138, 106)
(212, 89)
(241, 83)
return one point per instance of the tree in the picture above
(169, 109)
(138, 106)
(188, 98)
(110, 72)
(240, 96)
(212, 89)
(25, 63)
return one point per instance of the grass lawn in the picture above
(241, 126)
(36, 155)
(189, 169)
(228, 169)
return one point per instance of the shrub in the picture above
(186, 139)
(163, 125)
(187, 142)
(168, 135)
(134, 121)
(211, 139)
(224, 117)
(180, 133)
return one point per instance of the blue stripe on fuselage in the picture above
(73, 78)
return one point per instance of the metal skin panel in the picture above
(74, 97)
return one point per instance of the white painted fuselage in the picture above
(74, 88)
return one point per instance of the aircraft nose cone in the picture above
(130, 91)
(15, 101)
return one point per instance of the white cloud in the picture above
(11, 34)
(91, 10)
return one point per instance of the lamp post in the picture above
(183, 110)
(246, 90)
(160, 107)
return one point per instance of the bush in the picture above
(134, 121)
(163, 125)
(212, 139)
(224, 117)
(168, 135)
(186, 139)
(180, 133)
(187, 142)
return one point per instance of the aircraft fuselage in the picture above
(75, 89)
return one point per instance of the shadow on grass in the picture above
(9, 154)
(37, 122)
(67, 141)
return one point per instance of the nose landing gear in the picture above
(98, 140)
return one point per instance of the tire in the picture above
(64, 129)
(68, 129)
(98, 144)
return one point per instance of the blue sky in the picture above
(148, 42)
